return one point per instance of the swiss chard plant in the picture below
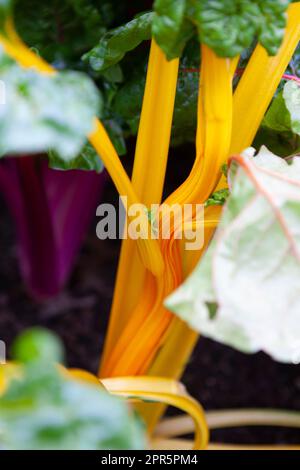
(224, 74)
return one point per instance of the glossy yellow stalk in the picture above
(131, 355)
(148, 248)
(214, 122)
(145, 330)
(147, 179)
(212, 149)
(262, 84)
(180, 340)
(217, 116)
(245, 105)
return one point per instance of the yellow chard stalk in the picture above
(212, 149)
(145, 330)
(250, 102)
(148, 177)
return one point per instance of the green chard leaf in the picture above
(116, 43)
(171, 29)
(44, 409)
(251, 270)
(43, 113)
(227, 26)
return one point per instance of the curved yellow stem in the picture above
(252, 95)
(164, 391)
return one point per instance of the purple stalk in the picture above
(52, 211)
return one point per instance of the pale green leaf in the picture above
(252, 268)
(43, 113)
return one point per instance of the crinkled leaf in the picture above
(291, 94)
(272, 22)
(229, 26)
(252, 268)
(46, 112)
(116, 43)
(170, 27)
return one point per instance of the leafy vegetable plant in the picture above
(239, 86)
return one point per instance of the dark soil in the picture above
(218, 376)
